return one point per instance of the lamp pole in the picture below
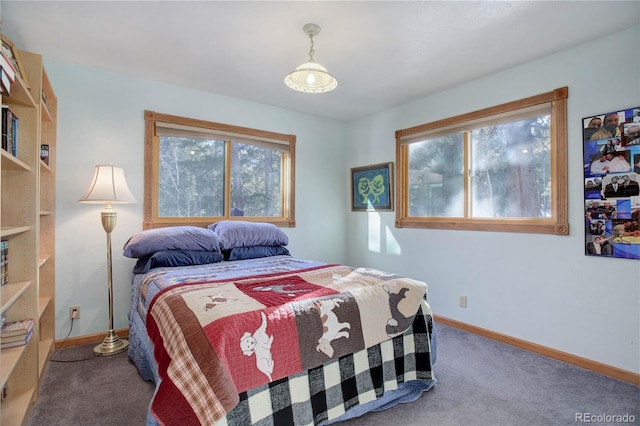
(112, 344)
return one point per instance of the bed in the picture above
(233, 330)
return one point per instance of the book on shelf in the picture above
(7, 74)
(4, 262)
(23, 340)
(8, 69)
(44, 153)
(9, 130)
(5, 127)
(16, 338)
(3, 319)
(14, 139)
(16, 328)
(5, 82)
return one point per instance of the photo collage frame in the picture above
(611, 183)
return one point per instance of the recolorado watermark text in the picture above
(604, 418)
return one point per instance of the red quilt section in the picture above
(254, 349)
(280, 291)
(258, 347)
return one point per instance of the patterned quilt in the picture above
(214, 340)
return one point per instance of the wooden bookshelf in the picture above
(27, 222)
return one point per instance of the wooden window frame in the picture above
(151, 171)
(558, 222)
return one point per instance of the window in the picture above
(503, 168)
(198, 172)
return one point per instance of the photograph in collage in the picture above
(611, 160)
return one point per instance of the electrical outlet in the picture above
(462, 301)
(74, 308)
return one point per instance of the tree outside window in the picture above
(499, 169)
(199, 172)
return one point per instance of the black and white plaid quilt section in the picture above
(325, 393)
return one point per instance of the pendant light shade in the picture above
(311, 77)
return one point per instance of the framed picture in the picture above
(11, 53)
(372, 188)
(611, 162)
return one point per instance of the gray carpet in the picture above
(480, 382)
(95, 391)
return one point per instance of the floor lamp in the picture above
(109, 187)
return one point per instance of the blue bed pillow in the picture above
(240, 253)
(176, 258)
(235, 233)
(171, 238)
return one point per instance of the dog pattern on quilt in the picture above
(398, 323)
(281, 288)
(217, 299)
(332, 329)
(260, 344)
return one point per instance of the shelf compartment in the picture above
(17, 408)
(46, 114)
(44, 349)
(43, 260)
(10, 292)
(43, 302)
(10, 358)
(20, 94)
(9, 162)
(45, 167)
(13, 230)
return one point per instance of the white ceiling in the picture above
(383, 53)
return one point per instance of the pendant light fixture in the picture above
(311, 77)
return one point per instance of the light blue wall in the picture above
(101, 121)
(540, 288)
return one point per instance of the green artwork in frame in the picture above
(372, 188)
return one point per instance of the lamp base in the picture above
(111, 345)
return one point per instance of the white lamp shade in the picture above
(108, 186)
(311, 77)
